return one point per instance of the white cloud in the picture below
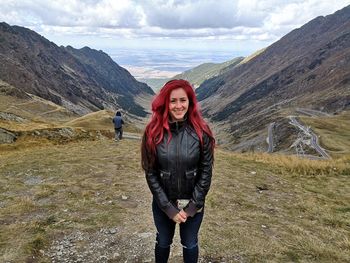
(297, 13)
(253, 20)
(73, 13)
(191, 14)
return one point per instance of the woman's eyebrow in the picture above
(181, 98)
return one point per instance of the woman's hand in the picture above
(180, 217)
(183, 213)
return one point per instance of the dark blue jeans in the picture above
(165, 233)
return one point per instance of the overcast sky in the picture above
(241, 26)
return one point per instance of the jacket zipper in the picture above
(177, 159)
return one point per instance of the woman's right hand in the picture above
(179, 218)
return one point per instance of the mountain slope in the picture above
(81, 80)
(199, 74)
(309, 67)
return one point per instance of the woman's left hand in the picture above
(183, 213)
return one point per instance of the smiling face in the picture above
(178, 104)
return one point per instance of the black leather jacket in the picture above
(183, 170)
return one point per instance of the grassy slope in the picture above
(36, 112)
(302, 216)
(196, 75)
(205, 71)
(155, 84)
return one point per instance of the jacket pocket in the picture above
(165, 179)
(190, 180)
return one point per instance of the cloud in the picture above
(191, 14)
(73, 13)
(256, 20)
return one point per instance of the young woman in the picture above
(177, 156)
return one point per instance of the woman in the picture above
(177, 156)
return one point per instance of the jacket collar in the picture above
(176, 126)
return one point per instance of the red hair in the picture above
(154, 132)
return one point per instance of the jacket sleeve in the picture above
(203, 184)
(159, 194)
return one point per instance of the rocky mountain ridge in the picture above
(81, 80)
(308, 68)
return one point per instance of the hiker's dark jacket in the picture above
(183, 170)
(118, 122)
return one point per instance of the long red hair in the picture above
(159, 123)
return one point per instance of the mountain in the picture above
(155, 83)
(308, 68)
(199, 74)
(81, 80)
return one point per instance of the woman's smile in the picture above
(178, 104)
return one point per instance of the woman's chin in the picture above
(179, 118)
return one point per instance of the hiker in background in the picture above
(177, 156)
(118, 126)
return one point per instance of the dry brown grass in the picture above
(99, 120)
(301, 215)
(260, 208)
(302, 166)
(49, 190)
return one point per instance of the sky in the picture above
(240, 27)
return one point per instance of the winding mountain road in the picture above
(269, 138)
(314, 143)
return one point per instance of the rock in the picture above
(7, 136)
(103, 258)
(145, 235)
(66, 132)
(124, 197)
(262, 187)
(33, 181)
(113, 231)
(11, 117)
